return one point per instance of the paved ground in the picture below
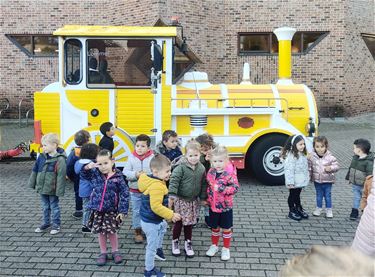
(263, 237)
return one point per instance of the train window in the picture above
(118, 62)
(36, 45)
(266, 43)
(370, 42)
(73, 61)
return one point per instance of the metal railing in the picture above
(28, 111)
(4, 105)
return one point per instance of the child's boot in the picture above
(293, 214)
(354, 214)
(189, 249)
(212, 250)
(138, 238)
(329, 213)
(176, 248)
(317, 211)
(302, 212)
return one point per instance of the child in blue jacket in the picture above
(109, 203)
(88, 154)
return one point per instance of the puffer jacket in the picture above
(366, 191)
(134, 164)
(49, 174)
(108, 194)
(359, 169)
(85, 187)
(188, 183)
(221, 190)
(154, 206)
(296, 171)
(170, 154)
(364, 236)
(317, 165)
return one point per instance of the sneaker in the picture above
(176, 248)
(55, 230)
(212, 250)
(117, 257)
(85, 229)
(42, 228)
(293, 214)
(302, 213)
(102, 259)
(160, 255)
(189, 249)
(225, 254)
(354, 214)
(153, 272)
(138, 237)
(317, 211)
(329, 213)
(77, 214)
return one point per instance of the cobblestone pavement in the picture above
(263, 236)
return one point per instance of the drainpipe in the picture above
(284, 36)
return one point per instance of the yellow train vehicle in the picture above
(124, 75)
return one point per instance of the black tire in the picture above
(263, 159)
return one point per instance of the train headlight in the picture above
(310, 127)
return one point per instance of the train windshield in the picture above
(118, 62)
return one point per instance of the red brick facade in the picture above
(340, 69)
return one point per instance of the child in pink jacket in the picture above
(222, 185)
(322, 168)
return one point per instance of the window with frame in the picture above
(73, 61)
(36, 45)
(267, 43)
(119, 62)
(370, 43)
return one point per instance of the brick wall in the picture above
(339, 69)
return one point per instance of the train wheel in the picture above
(264, 159)
(123, 144)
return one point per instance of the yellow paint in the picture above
(215, 125)
(210, 95)
(47, 110)
(260, 122)
(285, 57)
(135, 111)
(115, 31)
(87, 100)
(35, 147)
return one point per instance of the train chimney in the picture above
(284, 36)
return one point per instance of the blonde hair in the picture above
(192, 145)
(220, 150)
(158, 162)
(51, 138)
(329, 261)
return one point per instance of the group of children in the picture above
(320, 167)
(203, 176)
(166, 185)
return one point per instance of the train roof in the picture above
(115, 31)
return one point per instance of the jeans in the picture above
(357, 195)
(86, 211)
(77, 198)
(323, 190)
(154, 234)
(136, 200)
(50, 204)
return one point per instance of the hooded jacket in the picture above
(134, 164)
(360, 168)
(48, 175)
(220, 190)
(170, 154)
(188, 183)
(108, 194)
(154, 206)
(296, 171)
(317, 165)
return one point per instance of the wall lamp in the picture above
(183, 45)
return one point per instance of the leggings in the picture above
(294, 199)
